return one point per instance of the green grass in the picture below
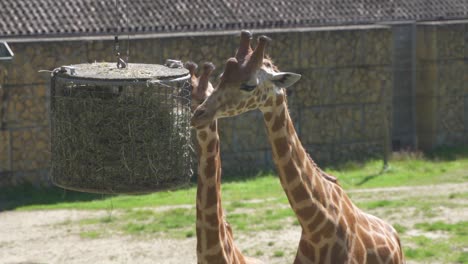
(445, 248)
(438, 167)
(441, 250)
(459, 228)
(90, 234)
(400, 228)
(422, 202)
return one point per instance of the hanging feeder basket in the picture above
(120, 130)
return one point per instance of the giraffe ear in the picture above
(285, 79)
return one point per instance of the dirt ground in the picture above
(39, 236)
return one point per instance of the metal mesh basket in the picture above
(120, 130)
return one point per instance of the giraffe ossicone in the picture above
(334, 230)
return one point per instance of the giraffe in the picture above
(334, 230)
(215, 242)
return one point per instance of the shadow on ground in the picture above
(24, 195)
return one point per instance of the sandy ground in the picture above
(41, 236)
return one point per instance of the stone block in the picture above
(425, 114)
(374, 122)
(249, 132)
(144, 51)
(32, 57)
(465, 76)
(450, 78)
(318, 49)
(350, 47)
(333, 48)
(358, 151)
(5, 151)
(100, 51)
(426, 42)
(245, 162)
(200, 49)
(465, 111)
(378, 47)
(26, 106)
(343, 86)
(285, 50)
(350, 122)
(30, 149)
(319, 126)
(322, 154)
(449, 114)
(226, 133)
(426, 78)
(451, 41)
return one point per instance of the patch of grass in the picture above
(158, 222)
(407, 169)
(93, 221)
(380, 203)
(462, 258)
(260, 219)
(90, 234)
(189, 234)
(140, 214)
(462, 195)
(459, 229)
(444, 251)
(425, 205)
(400, 228)
(278, 254)
(426, 248)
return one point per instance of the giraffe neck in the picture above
(214, 237)
(314, 199)
(333, 229)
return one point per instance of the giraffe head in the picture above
(249, 82)
(200, 86)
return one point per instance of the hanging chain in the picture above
(121, 63)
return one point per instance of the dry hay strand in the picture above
(120, 139)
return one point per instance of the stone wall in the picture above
(442, 84)
(341, 107)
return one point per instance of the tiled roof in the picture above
(78, 17)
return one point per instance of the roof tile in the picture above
(77, 17)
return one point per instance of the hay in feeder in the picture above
(128, 138)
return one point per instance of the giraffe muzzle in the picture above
(200, 118)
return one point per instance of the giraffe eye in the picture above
(248, 88)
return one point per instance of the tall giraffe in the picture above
(215, 243)
(334, 230)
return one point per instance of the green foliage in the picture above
(460, 228)
(439, 250)
(90, 234)
(400, 228)
(447, 248)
